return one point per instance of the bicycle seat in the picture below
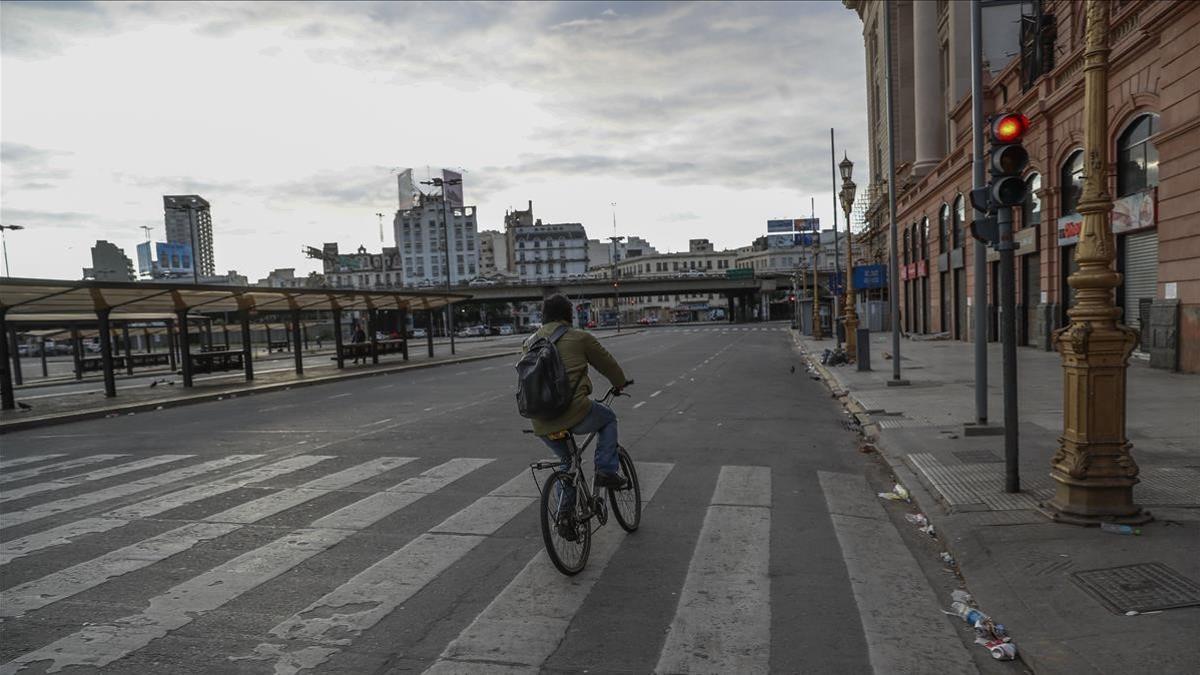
(558, 435)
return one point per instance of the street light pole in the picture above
(440, 183)
(4, 240)
(1093, 468)
(851, 320)
(816, 294)
(893, 267)
(616, 275)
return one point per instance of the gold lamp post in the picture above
(846, 167)
(1093, 469)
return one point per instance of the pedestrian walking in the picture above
(360, 337)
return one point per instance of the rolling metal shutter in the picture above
(1141, 273)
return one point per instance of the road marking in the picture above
(18, 461)
(382, 421)
(487, 368)
(349, 393)
(71, 481)
(324, 627)
(123, 490)
(525, 624)
(639, 404)
(723, 621)
(889, 587)
(428, 409)
(17, 548)
(100, 645)
(60, 466)
(656, 393)
(672, 382)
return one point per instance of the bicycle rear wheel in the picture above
(627, 500)
(568, 536)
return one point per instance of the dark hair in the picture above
(557, 308)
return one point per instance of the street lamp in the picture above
(5, 242)
(846, 167)
(440, 183)
(816, 294)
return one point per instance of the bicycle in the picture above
(567, 529)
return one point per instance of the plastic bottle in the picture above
(1114, 528)
(961, 609)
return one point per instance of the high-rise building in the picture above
(189, 221)
(493, 254)
(549, 252)
(421, 238)
(109, 263)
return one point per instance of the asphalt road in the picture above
(387, 525)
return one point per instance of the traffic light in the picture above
(1007, 158)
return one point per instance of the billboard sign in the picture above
(453, 192)
(808, 224)
(870, 276)
(780, 240)
(780, 225)
(173, 258)
(794, 225)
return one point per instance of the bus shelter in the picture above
(74, 306)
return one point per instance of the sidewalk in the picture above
(1024, 570)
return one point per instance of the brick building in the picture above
(1154, 152)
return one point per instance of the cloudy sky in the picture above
(698, 120)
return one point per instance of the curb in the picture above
(150, 406)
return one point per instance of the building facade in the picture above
(109, 263)
(493, 254)
(189, 221)
(550, 252)
(421, 237)
(601, 252)
(361, 269)
(1154, 147)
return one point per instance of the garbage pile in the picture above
(899, 493)
(991, 635)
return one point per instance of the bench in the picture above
(213, 362)
(215, 347)
(90, 364)
(278, 346)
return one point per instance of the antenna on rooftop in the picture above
(380, 227)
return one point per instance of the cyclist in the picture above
(579, 349)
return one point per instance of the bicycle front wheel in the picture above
(567, 535)
(627, 500)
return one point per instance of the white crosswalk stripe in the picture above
(64, 534)
(71, 481)
(313, 635)
(57, 466)
(6, 464)
(100, 645)
(123, 490)
(527, 621)
(723, 621)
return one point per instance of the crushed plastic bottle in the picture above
(959, 595)
(1114, 528)
(898, 494)
(917, 519)
(947, 558)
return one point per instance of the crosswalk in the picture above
(323, 507)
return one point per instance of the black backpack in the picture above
(543, 389)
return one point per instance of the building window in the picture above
(943, 220)
(960, 214)
(1031, 208)
(1072, 183)
(1137, 158)
(907, 238)
(924, 239)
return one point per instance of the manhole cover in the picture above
(1143, 588)
(977, 456)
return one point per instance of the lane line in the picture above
(723, 621)
(382, 421)
(349, 393)
(72, 481)
(60, 466)
(904, 631)
(524, 625)
(101, 644)
(64, 534)
(656, 393)
(310, 637)
(6, 464)
(639, 404)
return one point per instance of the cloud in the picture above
(35, 218)
(679, 217)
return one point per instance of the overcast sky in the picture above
(698, 120)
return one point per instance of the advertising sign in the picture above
(453, 192)
(1135, 212)
(870, 276)
(799, 239)
(780, 240)
(1068, 229)
(807, 224)
(779, 225)
(174, 258)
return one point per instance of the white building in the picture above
(421, 239)
(550, 252)
(600, 251)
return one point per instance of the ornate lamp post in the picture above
(846, 167)
(1093, 468)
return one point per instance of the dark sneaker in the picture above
(566, 528)
(609, 480)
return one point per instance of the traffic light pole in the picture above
(980, 262)
(1008, 336)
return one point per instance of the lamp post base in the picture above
(1089, 504)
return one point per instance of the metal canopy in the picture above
(50, 296)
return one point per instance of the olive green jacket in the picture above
(578, 349)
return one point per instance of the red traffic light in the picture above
(1009, 128)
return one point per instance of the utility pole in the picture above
(816, 294)
(980, 249)
(1093, 467)
(380, 227)
(833, 181)
(894, 256)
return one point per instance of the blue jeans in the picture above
(600, 419)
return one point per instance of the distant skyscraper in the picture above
(187, 216)
(109, 263)
(421, 237)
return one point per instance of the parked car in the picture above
(419, 333)
(480, 281)
(591, 324)
(648, 320)
(506, 329)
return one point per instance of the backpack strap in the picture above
(558, 333)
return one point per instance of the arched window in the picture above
(924, 238)
(960, 214)
(1031, 208)
(907, 239)
(1137, 158)
(943, 224)
(1072, 183)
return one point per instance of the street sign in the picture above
(870, 276)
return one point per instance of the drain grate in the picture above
(977, 456)
(1145, 587)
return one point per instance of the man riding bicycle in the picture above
(579, 349)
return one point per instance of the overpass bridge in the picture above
(634, 286)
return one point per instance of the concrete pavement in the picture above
(388, 525)
(1029, 573)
